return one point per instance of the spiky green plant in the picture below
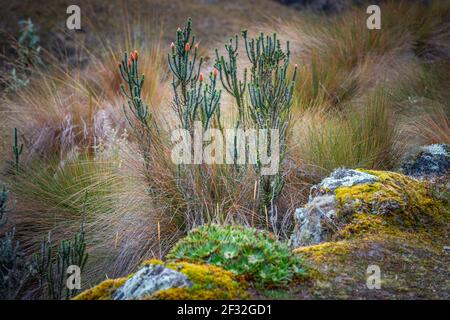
(185, 66)
(255, 254)
(195, 99)
(228, 71)
(52, 271)
(271, 91)
(265, 100)
(137, 113)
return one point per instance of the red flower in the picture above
(200, 77)
(187, 47)
(134, 55)
(215, 72)
(129, 62)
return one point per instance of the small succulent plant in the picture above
(249, 252)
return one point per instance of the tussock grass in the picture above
(363, 135)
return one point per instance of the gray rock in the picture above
(430, 161)
(342, 178)
(316, 221)
(150, 279)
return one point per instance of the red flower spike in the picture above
(200, 77)
(215, 72)
(187, 47)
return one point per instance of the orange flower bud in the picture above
(187, 47)
(200, 77)
(129, 62)
(134, 55)
(215, 72)
(296, 66)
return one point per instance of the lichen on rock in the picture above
(342, 178)
(150, 279)
(430, 161)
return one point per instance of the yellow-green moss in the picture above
(320, 252)
(209, 283)
(338, 269)
(102, 291)
(361, 208)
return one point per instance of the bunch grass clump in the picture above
(253, 253)
(361, 136)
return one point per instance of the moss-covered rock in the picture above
(380, 202)
(206, 282)
(389, 220)
(149, 279)
(209, 283)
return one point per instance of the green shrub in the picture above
(14, 269)
(52, 269)
(255, 254)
